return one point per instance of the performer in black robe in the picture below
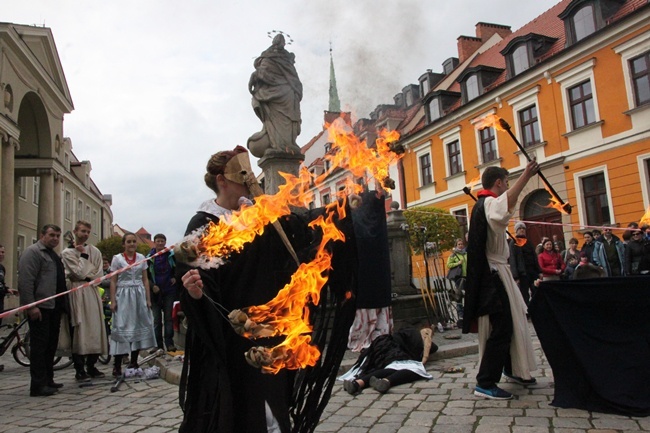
(220, 391)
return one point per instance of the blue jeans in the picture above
(162, 314)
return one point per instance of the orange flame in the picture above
(645, 219)
(489, 121)
(355, 155)
(287, 314)
(472, 183)
(555, 202)
(520, 241)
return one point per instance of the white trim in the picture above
(477, 137)
(452, 132)
(570, 78)
(627, 50)
(450, 138)
(644, 176)
(577, 182)
(519, 103)
(466, 209)
(418, 155)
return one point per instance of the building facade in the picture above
(42, 181)
(573, 84)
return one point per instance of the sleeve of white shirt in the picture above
(496, 212)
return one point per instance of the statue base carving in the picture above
(275, 161)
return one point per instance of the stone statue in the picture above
(277, 92)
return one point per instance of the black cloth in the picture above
(224, 393)
(43, 342)
(481, 293)
(395, 377)
(371, 234)
(597, 341)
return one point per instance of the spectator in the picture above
(391, 360)
(540, 247)
(83, 263)
(571, 257)
(41, 275)
(550, 262)
(588, 245)
(609, 254)
(627, 234)
(163, 287)
(597, 234)
(585, 269)
(523, 262)
(132, 327)
(458, 261)
(637, 254)
(559, 242)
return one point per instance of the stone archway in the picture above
(535, 208)
(35, 137)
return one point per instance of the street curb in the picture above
(171, 367)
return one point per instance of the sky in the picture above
(158, 86)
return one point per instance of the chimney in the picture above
(467, 45)
(484, 31)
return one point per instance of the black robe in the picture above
(219, 391)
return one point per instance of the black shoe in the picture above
(380, 385)
(117, 371)
(44, 391)
(94, 373)
(516, 379)
(81, 376)
(171, 349)
(351, 386)
(55, 385)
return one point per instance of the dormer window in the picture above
(520, 60)
(522, 52)
(471, 88)
(433, 109)
(424, 86)
(583, 22)
(473, 81)
(583, 18)
(328, 147)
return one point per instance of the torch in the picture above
(467, 191)
(506, 127)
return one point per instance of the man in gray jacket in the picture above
(41, 275)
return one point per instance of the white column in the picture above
(8, 204)
(45, 197)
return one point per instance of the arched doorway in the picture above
(35, 139)
(535, 208)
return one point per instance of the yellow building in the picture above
(574, 86)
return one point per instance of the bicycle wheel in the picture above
(61, 362)
(20, 351)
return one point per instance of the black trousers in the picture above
(496, 356)
(44, 339)
(395, 377)
(79, 361)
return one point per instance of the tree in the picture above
(430, 224)
(113, 245)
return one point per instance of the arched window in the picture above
(471, 86)
(584, 23)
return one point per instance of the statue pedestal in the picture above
(273, 162)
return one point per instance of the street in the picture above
(444, 404)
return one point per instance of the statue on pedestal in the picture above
(277, 92)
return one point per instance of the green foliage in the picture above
(113, 245)
(110, 246)
(441, 228)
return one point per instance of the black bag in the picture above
(455, 273)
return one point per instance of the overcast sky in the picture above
(158, 85)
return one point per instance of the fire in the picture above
(287, 314)
(555, 202)
(472, 183)
(490, 121)
(645, 219)
(354, 154)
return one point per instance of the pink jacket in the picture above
(550, 263)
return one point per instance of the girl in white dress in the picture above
(132, 327)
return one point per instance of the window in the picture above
(594, 191)
(36, 189)
(520, 60)
(471, 86)
(20, 245)
(424, 86)
(425, 169)
(22, 187)
(529, 126)
(87, 218)
(68, 206)
(325, 199)
(80, 210)
(584, 23)
(434, 109)
(461, 217)
(581, 102)
(640, 70)
(488, 145)
(95, 222)
(453, 154)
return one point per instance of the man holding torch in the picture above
(493, 303)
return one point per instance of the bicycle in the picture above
(17, 336)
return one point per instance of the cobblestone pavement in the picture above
(444, 404)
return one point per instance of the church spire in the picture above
(334, 102)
